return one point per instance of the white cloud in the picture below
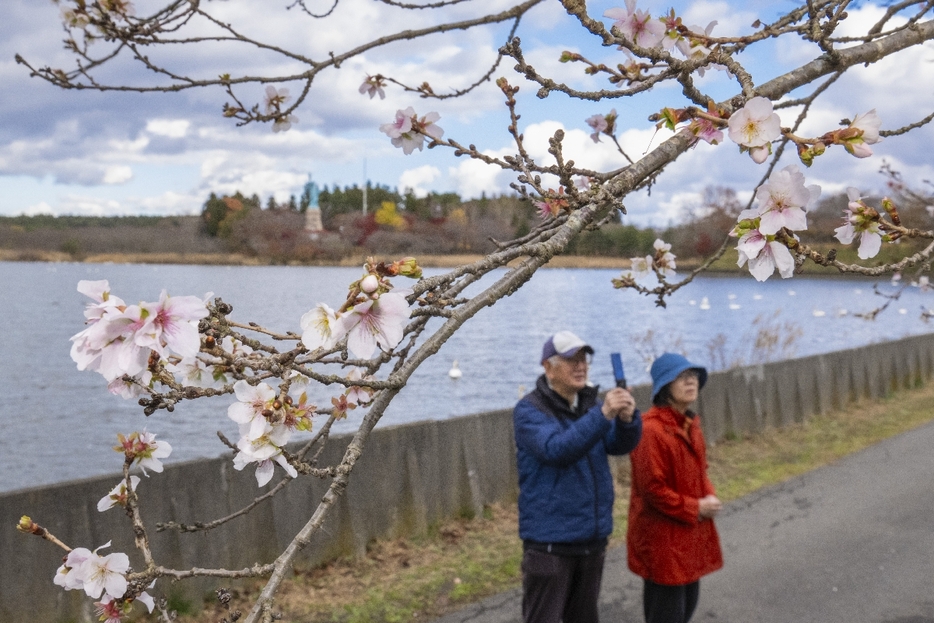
(117, 175)
(417, 179)
(472, 178)
(172, 128)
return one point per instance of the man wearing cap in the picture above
(563, 436)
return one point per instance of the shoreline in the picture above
(235, 259)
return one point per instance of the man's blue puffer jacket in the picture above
(565, 485)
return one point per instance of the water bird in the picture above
(704, 303)
(791, 292)
(926, 314)
(841, 313)
(757, 297)
(735, 305)
(903, 311)
(818, 313)
(455, 372)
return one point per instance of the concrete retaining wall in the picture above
(409, 478)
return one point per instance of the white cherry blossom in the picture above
(783, 199)
(869, 124)
(105, 574)
(321, 328)
(264, 451)
(248, 411)
(856, 224)
(755, 124)
(764, 256)
(118, 495)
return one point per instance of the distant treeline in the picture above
(394, 223)
(47, 221)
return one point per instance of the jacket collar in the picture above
(586, 398)
(672, 418)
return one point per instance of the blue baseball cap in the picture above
(666, 369)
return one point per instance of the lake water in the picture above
(58, 424)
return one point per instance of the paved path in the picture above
(852, 542)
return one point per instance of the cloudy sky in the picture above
(83, 152)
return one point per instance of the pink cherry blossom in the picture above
(602, 124)
(703, 129)
(637, 26)
(109, 611)
(401, 125)
(755, 124)
(375, 323)
(760, 154)
(173, 325)
(373, 85)
(783, 199)
(426, 126)
(408, 131)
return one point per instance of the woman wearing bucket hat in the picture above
(671, 539)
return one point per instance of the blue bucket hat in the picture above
(666, 369)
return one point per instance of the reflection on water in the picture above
(58, 423)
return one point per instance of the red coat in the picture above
(666, 541)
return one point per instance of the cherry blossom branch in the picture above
(28, 526)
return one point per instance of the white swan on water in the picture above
(455, 372)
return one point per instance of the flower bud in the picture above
(369, 284)
(408, 267)
(26, 525)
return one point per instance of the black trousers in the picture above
(561, 588)
(669, 604)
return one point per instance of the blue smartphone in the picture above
(618, 372)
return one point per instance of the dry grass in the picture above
(464, 560)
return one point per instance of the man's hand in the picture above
(619, 403)
(709, 506)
